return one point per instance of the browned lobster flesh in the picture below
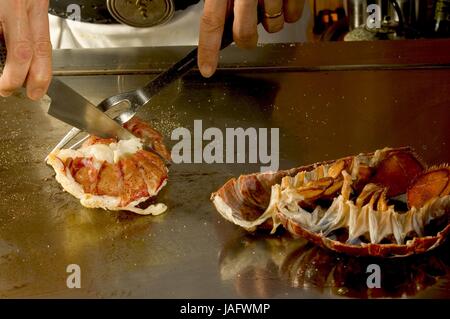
(113, 174)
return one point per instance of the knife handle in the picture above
(2, 53)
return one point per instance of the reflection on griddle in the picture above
(261, 265)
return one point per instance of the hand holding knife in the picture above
(73, 109)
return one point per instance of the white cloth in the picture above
(182, 29)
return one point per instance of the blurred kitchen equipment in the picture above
(136, 13)
(330, 20)
(326, 14)
(399, 18)
(150, 13)
(441, 22)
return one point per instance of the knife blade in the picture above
(72, 108)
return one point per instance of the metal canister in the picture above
(357, 13)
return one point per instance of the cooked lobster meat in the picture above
(115, 175)
(380, 204)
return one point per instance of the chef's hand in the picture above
(245, 35)
(24, 25)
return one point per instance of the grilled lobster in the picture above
(115, 175)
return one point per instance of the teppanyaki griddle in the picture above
(328, 100)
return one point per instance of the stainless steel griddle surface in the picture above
(190, 251)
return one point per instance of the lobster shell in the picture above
(417, 245)
(244, 200)
(366, 226)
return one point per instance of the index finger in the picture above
(40, 73)
(16, 32)
(210, 38)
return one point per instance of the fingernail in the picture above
(36, 94)
(207, 70)
(6, 93)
